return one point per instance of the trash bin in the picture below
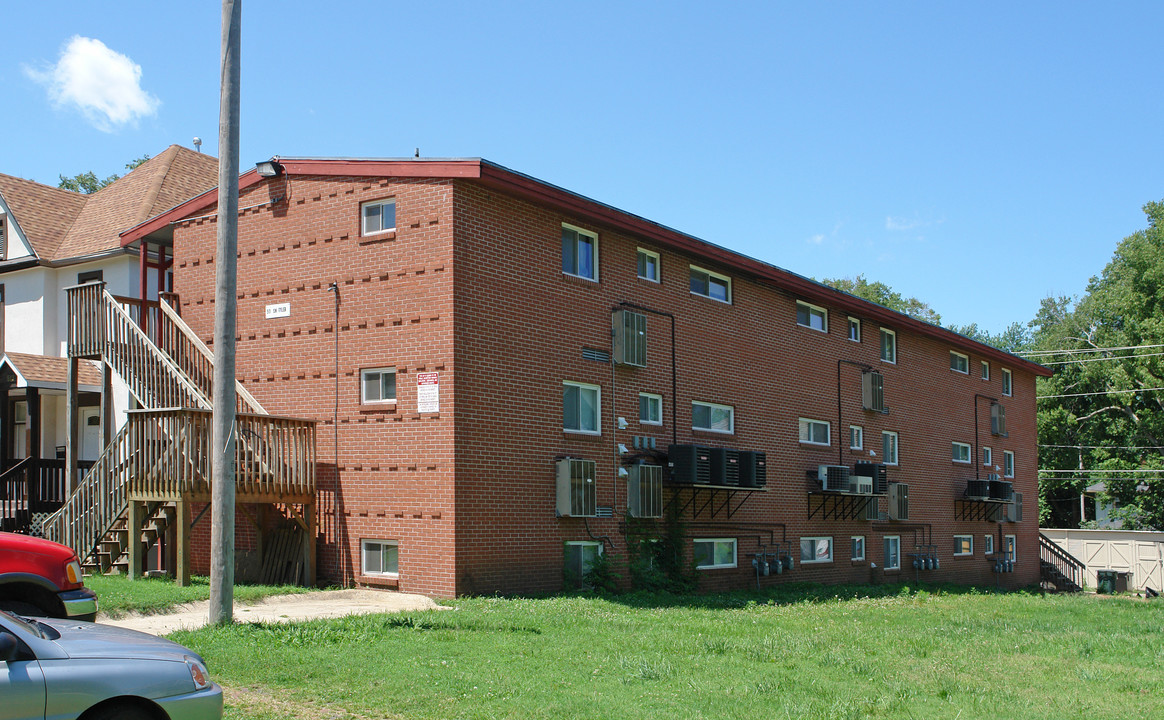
(1121, 581)
(1105, 581)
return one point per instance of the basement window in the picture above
(857, 547)
(377, 385)
(892, 552)
(378, 217)
(380, 558)
(715, 553)
(816, 550)
(580, 559)
(963, 545)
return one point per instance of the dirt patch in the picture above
(280, 608)
(258, 700)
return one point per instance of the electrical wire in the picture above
(1105, 392)
(1072, 351)
(1106, 447)
(1100, 359)
(1077, 470)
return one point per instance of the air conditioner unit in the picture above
(725, 467)
(644, 491)
(872, 511)
(861, 485)
(833, 478)
(873, 391)
(876, 471)
(977, 489)
(1001, 490)
(997, 419)
(899, 501)
(630, 337)
(753, 469)
(577, 495)
(1014, 509)
(690, 464)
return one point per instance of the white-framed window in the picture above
(1006, 382)
(963, 545)
(812, 316)
(985, 370)
(581, 408)
(857, 547)
(715, 553)
(711, 285)
(20, 429)
(815, 432)
(1011, 547)
(888, 447)
(377, 385)
(378, 216)
(380, 558)
(579, 252)
(960, 452)
(650, 409)
(816, 550)
(888, 346)
(580, 558)
(1007, 463)
(892, 558)
(648, 265)
(987, 456)
(712, 417)
(959, 363)
(856, 437)
(854, 329)
(988, 544)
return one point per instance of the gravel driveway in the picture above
(280, 608)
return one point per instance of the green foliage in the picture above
(657, 561)
(88, 183)
(882, 294)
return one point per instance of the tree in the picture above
(87, 183)
(882, 294)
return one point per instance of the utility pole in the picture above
(223, 436)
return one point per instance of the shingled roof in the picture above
(61, 224)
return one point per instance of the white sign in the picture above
(279, 310)
(428, 392)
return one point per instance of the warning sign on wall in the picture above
(428, 392)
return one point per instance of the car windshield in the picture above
(26, 624)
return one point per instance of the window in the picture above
(963, 545)
(378, 385)
(20, 429)
(811, 316)
(857, 547)
(579, 252)
(1006, 382)
(715, 553)
(815, 432)
(712, 417)
(816, 550)
(889, 447)
(650, 409)
(987, 456)
(648, 265)
(959, 363)
(711, 285)
(854, 329)
(888, 346)
(90, 276)
(580, 558)
(1011, 547)
(960, 452)
(580, 407)
(892, 552)
(1007, 463)
(988, 544)
(379, 557)
(856, 437)
(378, 217)
(985, 370)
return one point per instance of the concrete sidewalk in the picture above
(280, 608)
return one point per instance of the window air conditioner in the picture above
(877, 472)
(644, 491)
(899, 501)
(997, 419)
(577, 496)
(833, 478)
(861, 485)
(630, 337)
(1014, 509)
(873, 391)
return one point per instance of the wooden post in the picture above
(309, 542)
(106, 406)
(32, 437)
(72, 437)
(182, 532)
(133, 524)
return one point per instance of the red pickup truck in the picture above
(41, 577)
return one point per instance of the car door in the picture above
(22, 691)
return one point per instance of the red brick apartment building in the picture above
(524, 374)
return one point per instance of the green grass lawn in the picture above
(118, 595)
(805, 652)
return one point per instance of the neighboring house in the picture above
(528, 378)
(51, 239)
(1137, 555)
(1104, 507)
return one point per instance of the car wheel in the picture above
(18, 607)
(120, 711)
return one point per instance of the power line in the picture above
(1106, 447)
(1073, 351)
(1106, 392)
(1088, 472)
(1100, 359)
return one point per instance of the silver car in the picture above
(65, 668)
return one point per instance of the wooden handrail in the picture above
(1071, 567)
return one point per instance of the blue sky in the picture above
(978, 156)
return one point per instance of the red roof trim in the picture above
(188, 208)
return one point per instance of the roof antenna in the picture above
(198, 144)
(417, 154)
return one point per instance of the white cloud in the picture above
(816, 239)
(897, 223)
(104, 85)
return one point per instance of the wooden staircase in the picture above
(1058, 568)
(160, 456)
